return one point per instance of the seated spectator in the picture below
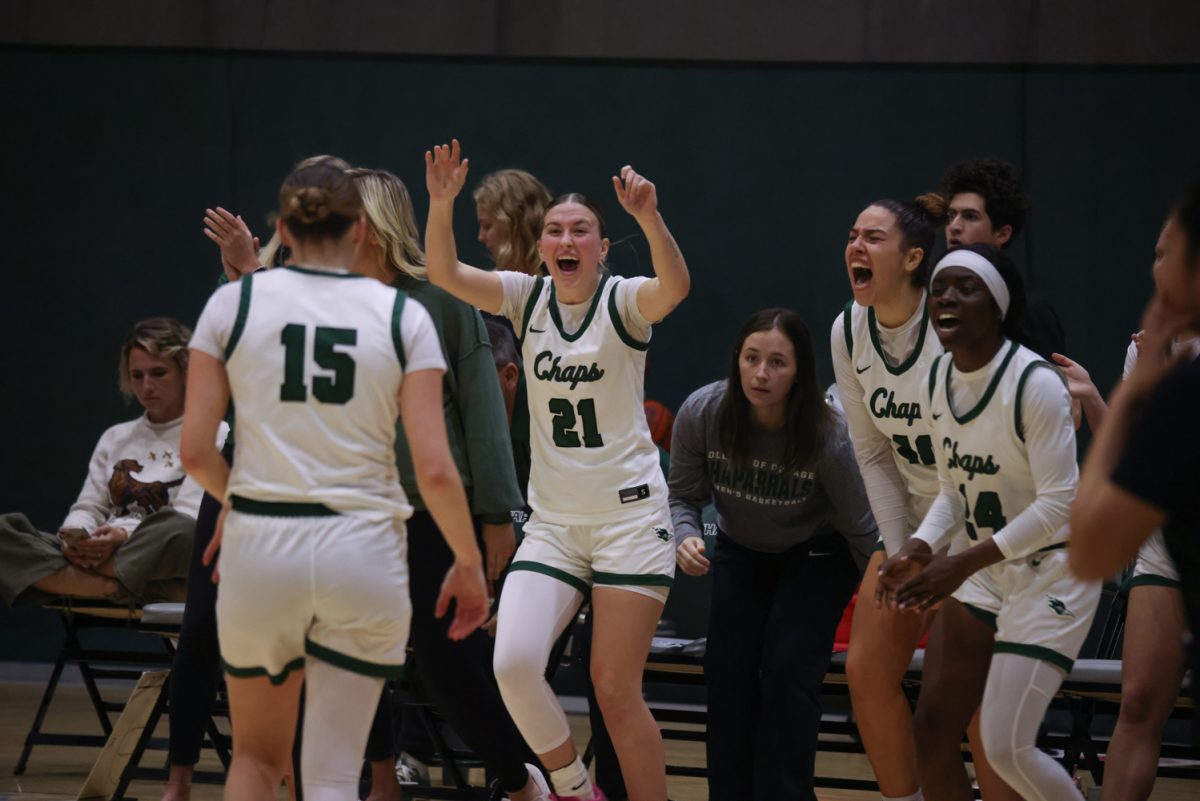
(128, 537)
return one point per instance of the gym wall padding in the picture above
(113, 155)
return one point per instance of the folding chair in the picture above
(95, 663)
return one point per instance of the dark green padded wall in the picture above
(112, 157)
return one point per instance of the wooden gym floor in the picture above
(57, 773)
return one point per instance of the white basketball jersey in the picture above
(984, 446)
(315, 364)
(593, 460)
(895, 398)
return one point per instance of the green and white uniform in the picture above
(1005, 446)
(313, 553)
(1154, 565)
(596, 487)
(882, 382)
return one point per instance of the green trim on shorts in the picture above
(350, 663)
(251, 672)
(1152, 580)
(1034, 652)
(250, 506)
(1058, 546)
(635, 579)
(989, 618)
(239, 324)
(552, 572)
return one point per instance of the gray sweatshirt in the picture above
(759, 506)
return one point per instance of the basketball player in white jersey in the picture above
(883, 346)
(1013, 617)
(318, 362)
(600, 519)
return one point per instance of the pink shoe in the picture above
(597, 795)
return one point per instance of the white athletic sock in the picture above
(572, 781)
(917, 796)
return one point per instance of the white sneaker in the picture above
(410, 770)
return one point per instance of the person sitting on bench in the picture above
(128, 537)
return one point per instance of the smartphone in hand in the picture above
(72, 536)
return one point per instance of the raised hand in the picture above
(637, 195)
(239, 248)
(445, 171)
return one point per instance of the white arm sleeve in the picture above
(422, 350)
(517, 287)
(946, 512)
(1050, 442)
(216, 321)
(885, 486)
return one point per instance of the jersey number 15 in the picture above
(336, 390)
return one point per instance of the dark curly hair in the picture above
(998, 183)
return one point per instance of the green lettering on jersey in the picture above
(336, 390)
(563, 423)
(546, 367)
(970, 463)
(884, 406)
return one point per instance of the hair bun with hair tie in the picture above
(311, 204)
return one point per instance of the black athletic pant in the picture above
(458, 675)
(770, 636)
(196, 669)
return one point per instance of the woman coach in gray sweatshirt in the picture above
(794, 531)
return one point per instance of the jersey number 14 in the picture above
(337, 389)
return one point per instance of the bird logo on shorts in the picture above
(1059, 607)
(662, 534)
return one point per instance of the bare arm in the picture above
(442, 490)
(205, 405)
(445, 175)
(659, 296)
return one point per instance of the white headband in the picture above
(983, 268)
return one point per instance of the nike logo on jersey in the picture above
(546, 367)
(968, 462)
(533, 330)
(662, 534)
(1059, 607)
(937, 416)
(884, 406)
(861, 370)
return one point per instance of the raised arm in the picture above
(445, 174)
(671, 283)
